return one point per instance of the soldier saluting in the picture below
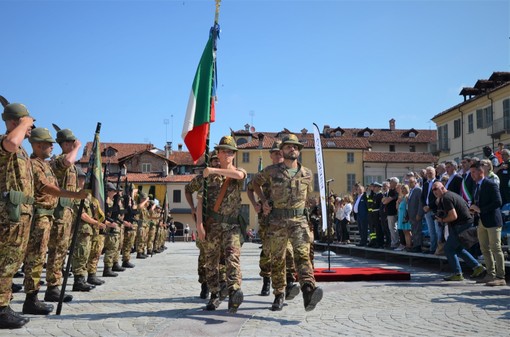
(17, 197)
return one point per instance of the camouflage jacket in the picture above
(231, 203)
(286, 192)
(16, 174)
(43, 175)
(195, 184)
(67, 177)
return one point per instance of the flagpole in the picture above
(77, 222)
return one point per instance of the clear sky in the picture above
(281, 64)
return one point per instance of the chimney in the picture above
(168, 149)
(392, 124)
(179, 147)
(304, 132)
(261, 140)
(165, 169)
(246, 127)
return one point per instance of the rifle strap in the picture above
(223, 191)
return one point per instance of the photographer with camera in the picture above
(453, 210)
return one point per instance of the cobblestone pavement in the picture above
(160, 298)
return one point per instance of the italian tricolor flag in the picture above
(200, 111)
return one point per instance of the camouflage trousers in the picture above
(151, 236)
(81, 254)
(141, 238)
(128, 243)
(111, 249)
(96, 248)
(36, 252)
(162, 233)
(265, 256)
(223, 238)
(297, 231)
(202, 277)
(13, 244)
(60, 234)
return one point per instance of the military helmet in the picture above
(110, 186)
(41, 135)
(276, 146)
(291, 139)
(65, 135)
(143, 196)
(226, 143)
(14, 111)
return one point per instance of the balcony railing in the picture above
(499, 126)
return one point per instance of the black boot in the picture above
(117, 267)
(33, 306)
(93, 279)
(311, 296)
(291, 290)
(52, 294)
(9, 319)
(266, 287)
(235, 298)
(127, 264)
(223, 291)
(16, 288)
(107, 272)
(214, 302)
(278, 302)
(204, 293)
(141, 256)
(81, 285)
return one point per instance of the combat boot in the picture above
(141, 256)
(266, 287)
(9, 319)
(278, 302)
(127, 264)
(81, 285)
(16, 288)
(291, 291)
(149, 252)
(107, 272)
(311, 296)
(117, 267)
(214, 302)
(235, 298)
(52, 294)
(33, 306)
(204, 293)
(93, 279)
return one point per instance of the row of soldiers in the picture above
(282, 190)
(38, 206)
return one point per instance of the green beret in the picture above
(14, 111)
(39, 135)
(226, 143)
(291, 139)
(65, 135)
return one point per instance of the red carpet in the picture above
(360, 274)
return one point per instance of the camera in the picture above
(441, 214)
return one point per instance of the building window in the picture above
(484, 117)
(351, 181)
(350, 157)
(506, 114)
(152, 191)
(412, 148)
(146, 167)
(442, 137)
(372, 179)
(456, 128)
(412, 134)
(471, 124)
(246, 157)
(366, 134)
(392, 148)
(176, 196)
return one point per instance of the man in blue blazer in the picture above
(361, 211)
(487, 203)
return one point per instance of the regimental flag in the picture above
(96, 180)
(200, 112)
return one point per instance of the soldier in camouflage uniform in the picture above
(60, 233)
(96, 249)
(222, 226)
(130, 229)
(46, 196)
(291, 290)
(289, 185)
(17, 197)
(154, 214)
(194, 186)
(143, 226)
(112, 237)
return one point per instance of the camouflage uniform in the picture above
(40, 231)
(60, 232)
(83, 242)
(129, 233)
(15, 175)
(111, 241)
(287, 221)
(143, 229)
(151, 232)
(223, 233)
(96, 248)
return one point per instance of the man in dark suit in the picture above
(487, 203)
(454, 182)
(428, 201)
(415, 212)
(361, 210)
